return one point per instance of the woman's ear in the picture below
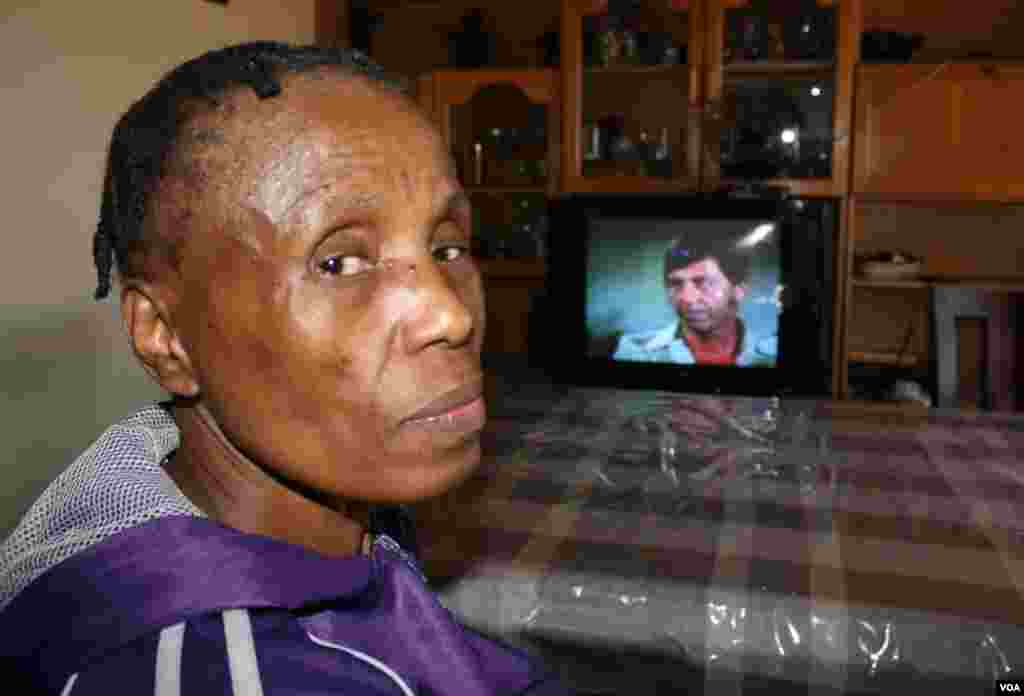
(155, 341)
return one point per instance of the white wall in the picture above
(69, 69)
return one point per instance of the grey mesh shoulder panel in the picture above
(116, 484)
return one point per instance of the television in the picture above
(716, 293)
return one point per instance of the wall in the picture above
(69, 69)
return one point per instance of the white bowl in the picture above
(888, 270)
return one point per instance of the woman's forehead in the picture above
(331, 112)
(296, 159)
(315, 134)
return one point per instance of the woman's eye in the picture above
(344, 265)
(447, 254)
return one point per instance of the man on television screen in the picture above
(706, 279)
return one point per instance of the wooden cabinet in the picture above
(910, 145)
(731, 93)
(935, 173)
(948, 131)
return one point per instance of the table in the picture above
(648, 542)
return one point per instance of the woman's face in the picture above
(327, 294)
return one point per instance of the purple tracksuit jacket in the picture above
(179, 604)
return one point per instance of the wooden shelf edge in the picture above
(861, 282)
(882, 358)
(810, 188)
(853, 409)
(928, 200)
(626, 69)
(978, 282)
(495, 74)
(779, 68)
(627, 183)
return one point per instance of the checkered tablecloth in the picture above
(740, 538)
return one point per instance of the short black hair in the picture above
(147, 136)
(691, 248)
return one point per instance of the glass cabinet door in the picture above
(631, 94)
(500, 126)
(774, 95)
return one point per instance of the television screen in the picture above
(707, 293)
(684, 291)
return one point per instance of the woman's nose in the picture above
(435, 311)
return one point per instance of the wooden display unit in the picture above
(696, 107)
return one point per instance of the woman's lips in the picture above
(460, 409)
(464, 418)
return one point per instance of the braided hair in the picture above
(148, 135)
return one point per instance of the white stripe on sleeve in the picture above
(66, 691)
(168, 660)
(245, 671)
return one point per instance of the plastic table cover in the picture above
(653, 539)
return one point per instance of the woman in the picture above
(293, 254)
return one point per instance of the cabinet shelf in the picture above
(780, 68)
(629, 183)
(860, 282)
(882, 358)
(811, 188)
(620, 69)
(995, 284)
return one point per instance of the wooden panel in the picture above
(970, 368)
(953, 28)
(948, 130)
(851, 23)
(889, 322)
(508, 311)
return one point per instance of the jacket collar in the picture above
(663, 338)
